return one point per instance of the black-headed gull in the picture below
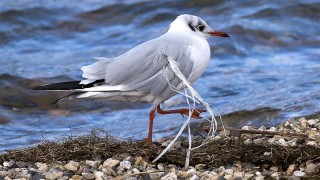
(146, 72)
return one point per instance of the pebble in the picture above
(125, 164)
(312, 168)
(72, 166)
(110, 162)
(299, 173)
(8, 163)
(267, 153)
(170, 176)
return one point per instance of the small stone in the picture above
(53, 175)
(282, 142)
(8, 163)
(215, 138)
(228, 171)
(311, 143)
(267, 153)
(246, 128)
(110, 162)
(311, 168)
(37, 177)
(23, 174)
(72, 166)
(63, 178)
(135, 171)
(248, 176)
(291, 169)
(160, 166)
(138, 161)
(199, 167)
(272, 129)
(275, 175)
(192, 171)
(248, 141)
(94, 164)
(238, 175)
(274, 168)
(99, 174)
(224, 133)
(156, 176)
(194, 177)
(76, 177)
(303, 122)
(259, 178)
(125, 164)
(88, 176)
(21, 164)
(170, 176)
(299, 173)
(42, 166)
(258, 141)
(311, 122)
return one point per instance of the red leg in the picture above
(195, 113)
(151, 117)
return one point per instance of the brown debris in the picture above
(216, 153)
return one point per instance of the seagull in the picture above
(146, 72)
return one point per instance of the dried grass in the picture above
(214, 154)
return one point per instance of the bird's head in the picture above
(194, 24)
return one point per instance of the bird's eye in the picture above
(200, 27)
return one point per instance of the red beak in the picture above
(218, 33)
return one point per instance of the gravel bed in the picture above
(266, 165)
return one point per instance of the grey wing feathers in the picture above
(143, 68)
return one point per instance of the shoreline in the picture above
(229, 155)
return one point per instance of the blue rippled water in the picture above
(267, 72)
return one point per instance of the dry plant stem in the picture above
(261, 132)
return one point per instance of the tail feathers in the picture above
(71, 85)
(69, 95)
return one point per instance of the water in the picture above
(267, 72)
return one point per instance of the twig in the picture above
(206, 128)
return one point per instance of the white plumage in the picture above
(143, 72)
(153, 71)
